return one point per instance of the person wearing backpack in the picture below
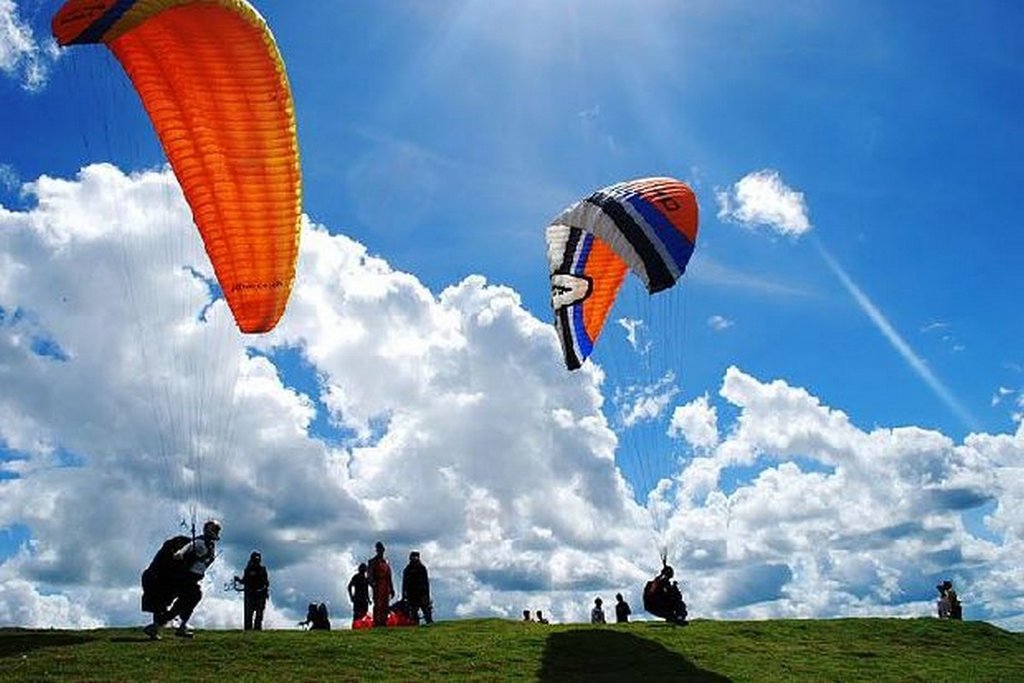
(622, 610)
(359, 592)
(256, 589)
(416, 589)
(662, 597)
(175, 578)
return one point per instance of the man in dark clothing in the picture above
(416, 589)
(359, 593)
(256, 588)
(622, 610)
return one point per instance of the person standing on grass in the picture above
(187, 567)
(622, 610)
(383, 588)
(359, 592)
(256, 589)
(416, 589)
(597, 614)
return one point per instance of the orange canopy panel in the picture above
(214, 85)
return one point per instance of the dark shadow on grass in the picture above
(607, 655)
(16, 642)
(132, 639)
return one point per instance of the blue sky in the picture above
(851, 306)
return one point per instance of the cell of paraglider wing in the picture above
(213, 83)
(648, 226)
(585, 278)
(650, 223)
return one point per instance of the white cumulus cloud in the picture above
(437, 421)
(9, 179)
(762, 198)
(719, 323)
(697, 422)
(22, 57)
(457, 429)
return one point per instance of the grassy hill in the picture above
(491, 649)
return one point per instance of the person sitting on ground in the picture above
(317, 617)
(949, 603)
(526, 616)
(942, 604)
(956, 609)
(541, 618)
(597, 614)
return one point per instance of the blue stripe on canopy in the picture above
(583, 341)
(678, 246)
(97, 29)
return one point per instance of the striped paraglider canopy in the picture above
(647, 226)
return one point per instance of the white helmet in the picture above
(212, 529)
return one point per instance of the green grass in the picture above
(491, 649)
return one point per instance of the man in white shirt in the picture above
(597, 614)
(190, 564)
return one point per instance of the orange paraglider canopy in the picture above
(213, 83)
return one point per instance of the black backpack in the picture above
(652, 596)
(164, 561)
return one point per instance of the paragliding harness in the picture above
(401, 615)
(363, 622)
(662, 599)
(166, 572)
(159, 578)
(164, 560)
